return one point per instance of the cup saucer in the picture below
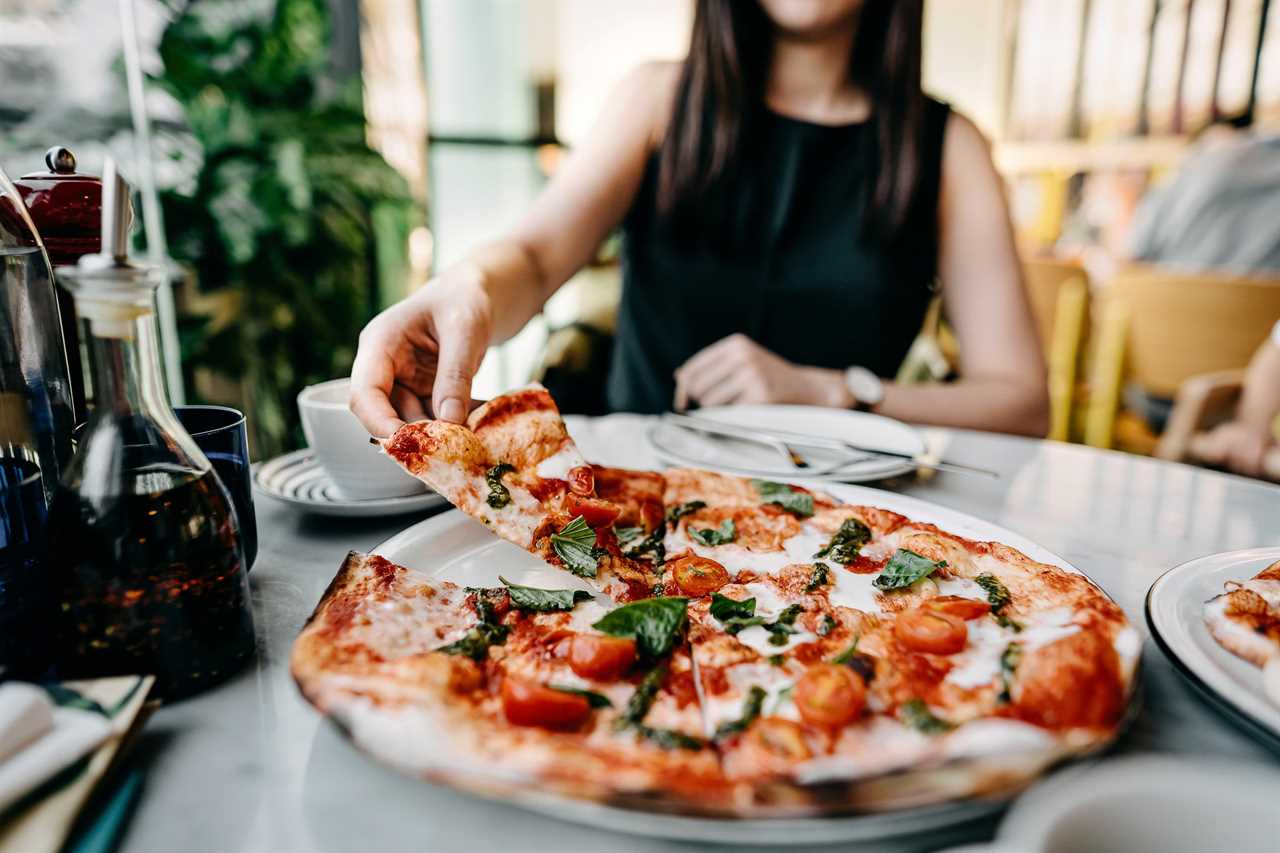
(298, 479)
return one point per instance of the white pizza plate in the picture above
(1175, 613)
(680, 446)
(454, 547)
(298, 479)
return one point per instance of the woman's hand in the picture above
(736, 369)
(418, 357)
(1237, 446)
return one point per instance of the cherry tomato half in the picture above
(829, 696)
(779, 737)
(698, 575)
(601, 658)
(961, 608)
(595, 512)
(528, 704)
(582, 480)
(930, 631)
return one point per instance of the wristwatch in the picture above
(865, 386)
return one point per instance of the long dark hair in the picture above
(721, 94)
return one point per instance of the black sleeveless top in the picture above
(803, 279)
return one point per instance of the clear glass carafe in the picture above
(146, 563)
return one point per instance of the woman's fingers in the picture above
(408, 404)
(462, 346)
(372, 378)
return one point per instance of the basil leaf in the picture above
(777, 660)
(543, 600)
(670, 738)
(1008, 666)
(476, 642)
(723, 607)
(781, 628)
(781, 699)
(827, 625)
(796, 503)
(642, 700)
(654, 623)
(750, 710)
(594, 699)
(736, 616)
(575, 545)
(917, 715)
(863, 664)
(651, 544)
(821, 577)
(905, 568)
(498, 494)
(1005, 622)
(627, 535)
(848, 654)
(997, 593)
(726, 533)
(847, 542)
(679, 511)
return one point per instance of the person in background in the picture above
(1242, 443)
(788, 197)
(1220, 211)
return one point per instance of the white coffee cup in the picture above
(359, 469)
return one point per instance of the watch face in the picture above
(864, 385)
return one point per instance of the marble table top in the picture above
(249, 767)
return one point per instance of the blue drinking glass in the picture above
(23, 619)
(220, 432)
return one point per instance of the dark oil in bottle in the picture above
(151, 581)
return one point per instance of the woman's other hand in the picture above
(1237, 446)
(736, 369)
(418, 357)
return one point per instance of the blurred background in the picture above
(315, 160)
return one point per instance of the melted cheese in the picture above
(979, 663)
(558, 465)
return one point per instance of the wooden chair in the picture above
(1161, 327)
(1059, 295)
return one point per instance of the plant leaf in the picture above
(723, 607)
(847, 542)
(594, 699)
(654, 623)
(997, 593)
(642, 700)
(670, 738)
(905, 568)
(796, 503)
(679, 511)
(575, 545)
(917, 715)
(723, 535)
(543, 600)
(821, 577)
(627, 535)
(750, 710)
(498, 494)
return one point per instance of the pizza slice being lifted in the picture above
(514, 468)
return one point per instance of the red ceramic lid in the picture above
(66, 207)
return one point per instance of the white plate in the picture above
(454, 547)
(1175, 612)
(297, 479)
(683, 447)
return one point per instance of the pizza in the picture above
(514, 468)
(724, 646)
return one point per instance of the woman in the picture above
(787, 196)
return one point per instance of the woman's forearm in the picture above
(514, 282)
(1000, 404)
(1261, 400)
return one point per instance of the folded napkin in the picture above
(56, 744)
(41, 739)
